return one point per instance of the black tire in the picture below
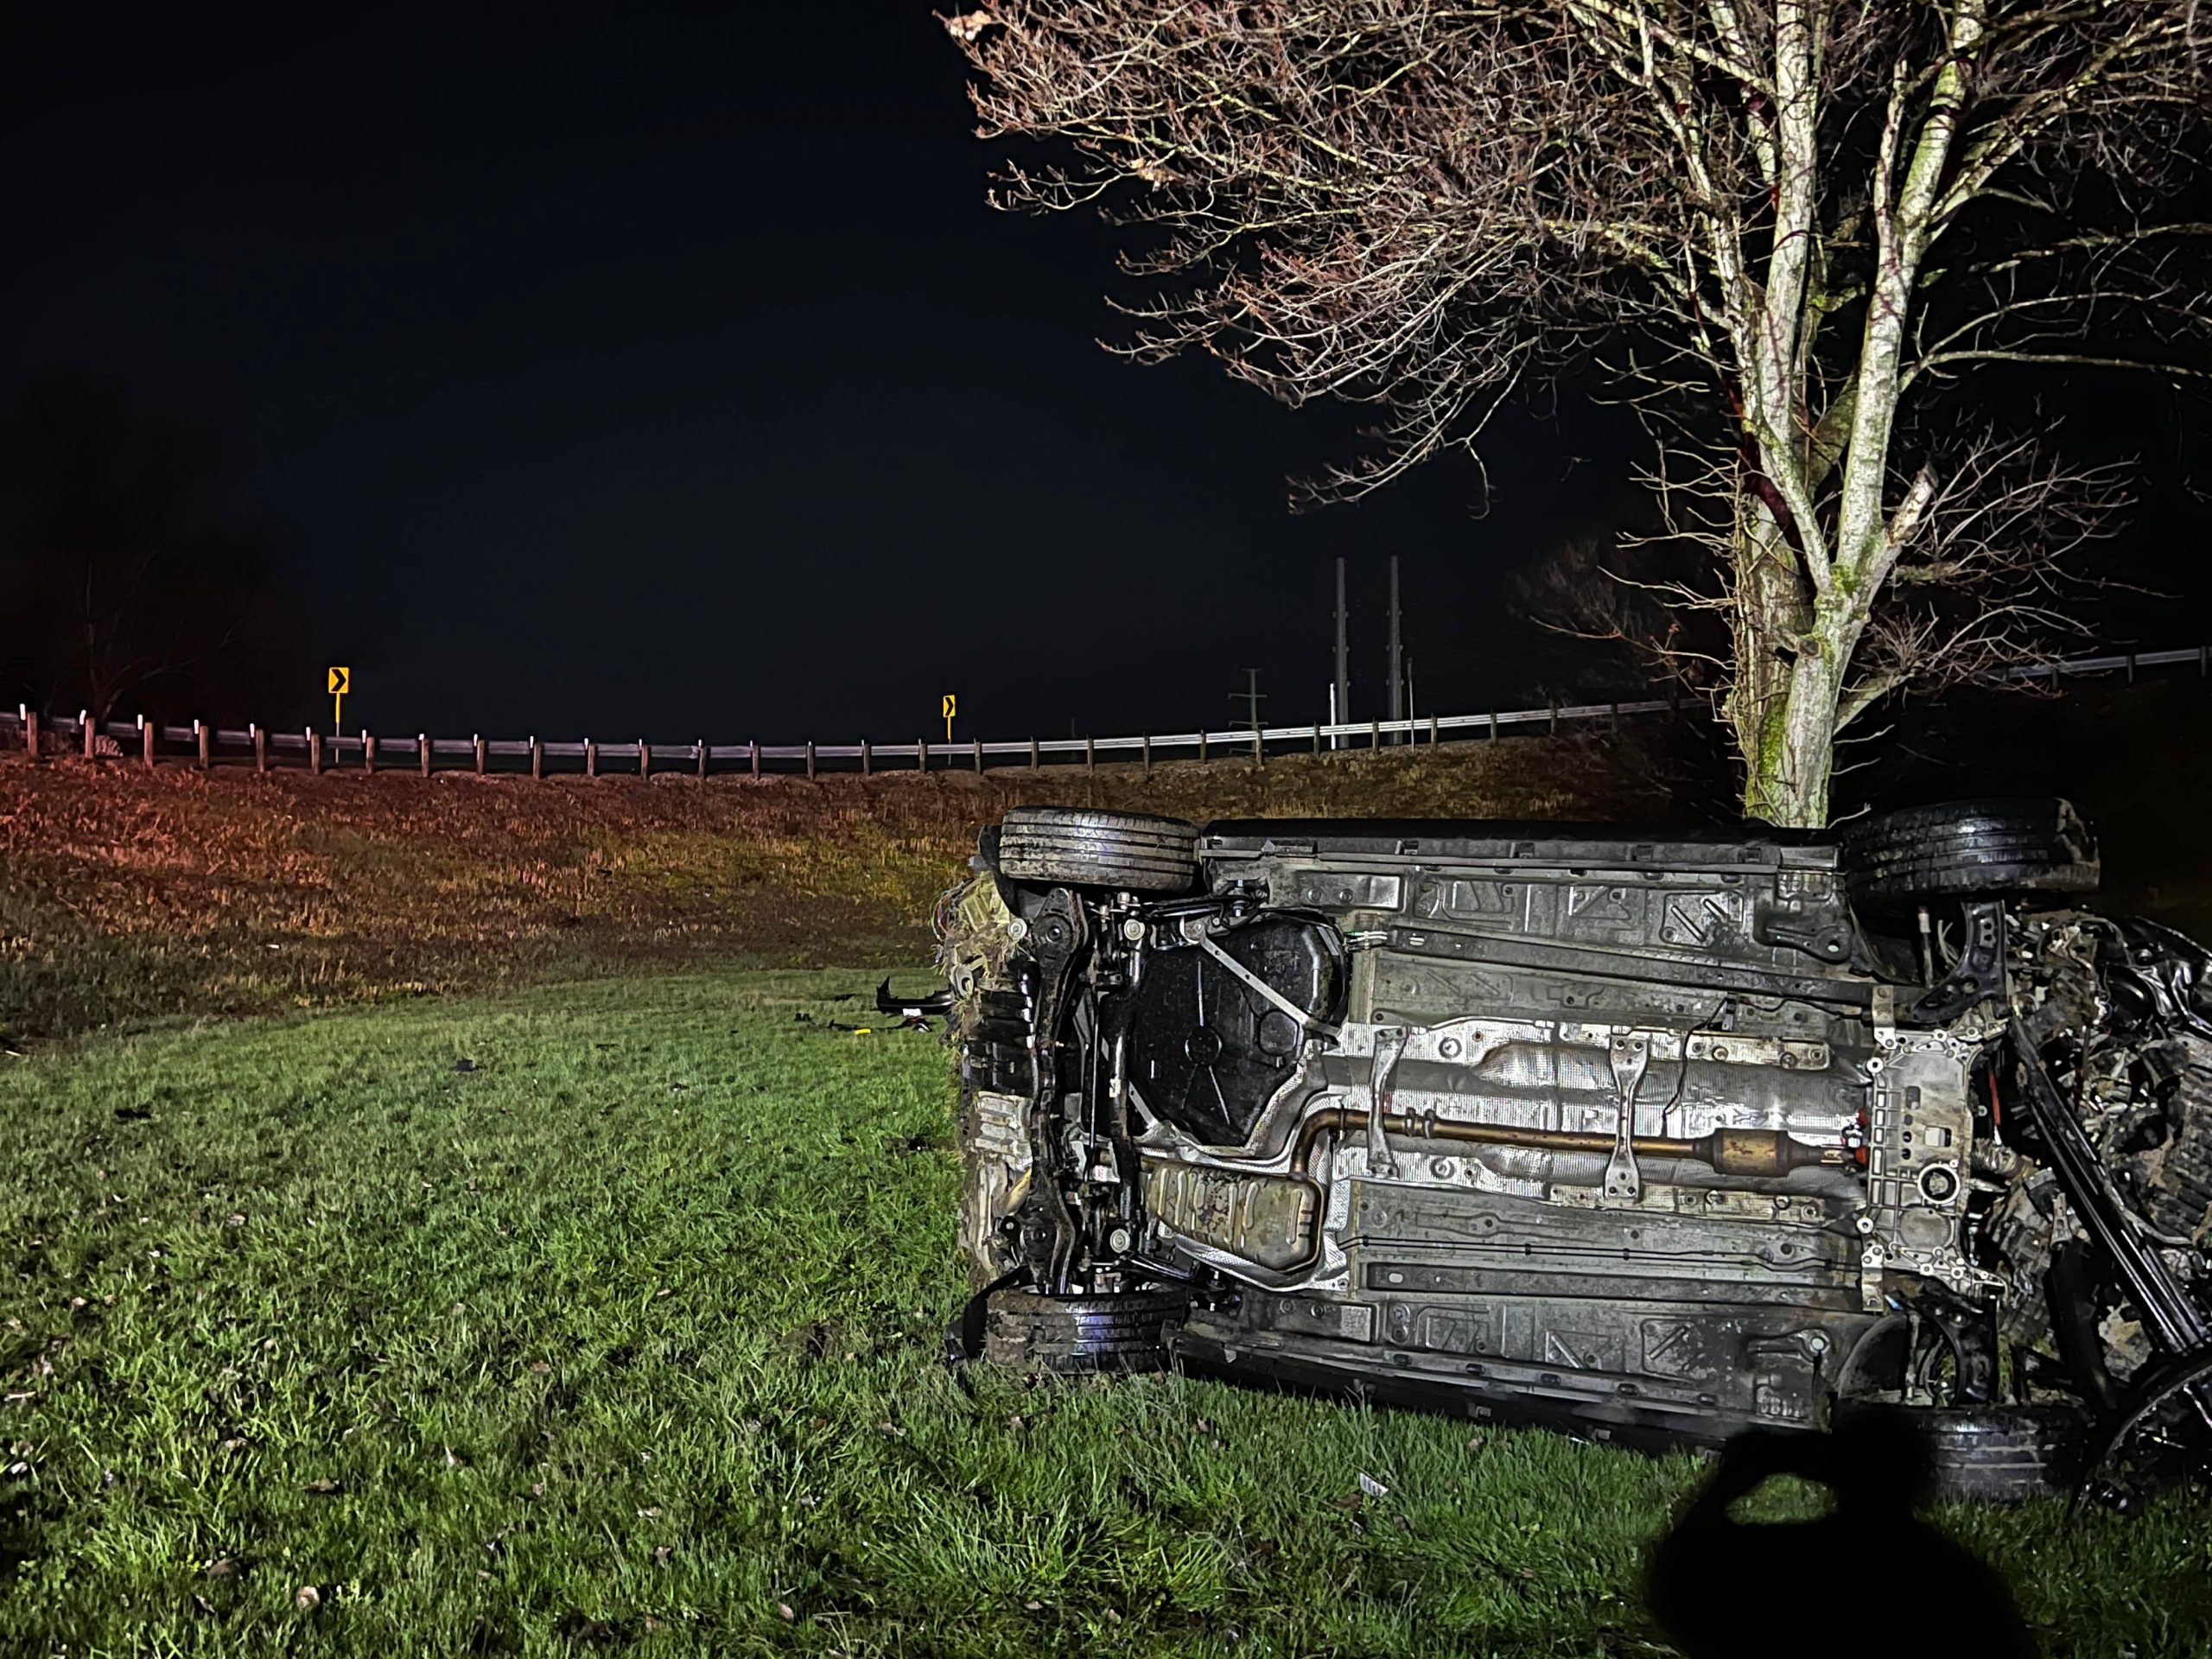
(1026, 1330)
(1993, 1454)
(1969, 849)
(2003, 1454)
(1131, 851)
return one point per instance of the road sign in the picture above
(952, 707)
(341, 682)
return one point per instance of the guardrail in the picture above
(207, 747)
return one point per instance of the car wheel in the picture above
(1995, 1454)
(1969, 849)
(1132, 851)
(1026, 1330)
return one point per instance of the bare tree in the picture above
(130, 573)
(1789, 228)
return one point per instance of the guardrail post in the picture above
(30, 732)
(1553, 704)
(1616, 716)
(1432, 731)
(1146, 741)
(979, 756)
(260, 747)
(1374, 733)
(756, 757)
(479, 754)
(810, 757)
(921, 754)
(1036, 756)
(146, 740)
(1259, 750)
(1493, 725)
(314, 752)
(1090, 754)
(2131, 668)
(645, 758)
(591, 758)
(700, 748)
(536, 757)
(422, 751)
(204, 740)
(1202, 746)
(867, 769)
(2203, 661)
(368, 751)
(1317, 739)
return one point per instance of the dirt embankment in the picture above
(129, 896)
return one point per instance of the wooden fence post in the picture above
(591, 758)
(810, 757)
(260, 747)
(422, 751)
(479, 754)
(536, 757)
(204, 740)
(146, 740)
(756, 757)
(866, 767)
(314, 752)
(368, 750)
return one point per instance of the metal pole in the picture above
(1340, 709)
(1397, 657)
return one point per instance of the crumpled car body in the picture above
(1654, 1136)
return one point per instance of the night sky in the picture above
(663, 370)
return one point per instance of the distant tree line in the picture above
(134, 576)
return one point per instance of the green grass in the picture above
(625, 1337)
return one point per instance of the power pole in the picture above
(1251, 698)
(1397, 657)
(1341, 711)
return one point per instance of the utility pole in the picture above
(1340, 710)
(1251, 698)
(1397, 657)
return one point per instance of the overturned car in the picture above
(1654, 1136)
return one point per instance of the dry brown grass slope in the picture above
(128, 897)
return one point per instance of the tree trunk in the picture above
(1789, 676)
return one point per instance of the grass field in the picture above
(603, 1317)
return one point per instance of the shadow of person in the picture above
(1722, 1587)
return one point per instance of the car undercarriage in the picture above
(1653, 1136)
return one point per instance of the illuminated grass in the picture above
(623, 1335)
